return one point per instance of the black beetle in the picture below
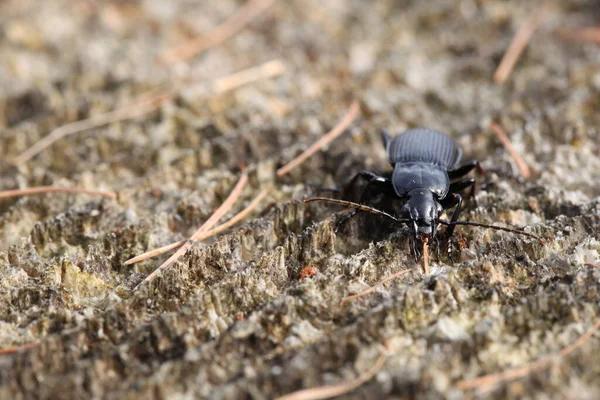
(427, 176)
(425, 162)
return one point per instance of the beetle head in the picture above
(423, 210)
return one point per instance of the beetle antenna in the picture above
(499, 228)
(357, 206)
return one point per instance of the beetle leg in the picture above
(345, 217)
(453, 199)
(463, 184)
(383, 184)
(414, 248)
(465, 169)
(346, 190)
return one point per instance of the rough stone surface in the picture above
(233, 318)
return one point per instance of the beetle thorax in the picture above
(417, 175)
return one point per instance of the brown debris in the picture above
(426, 255)
(150, 101)
(308, 272)
(372, 288)
(54, 189)
(129, 112)
(218, 214)
(521, 164)
(14, 349)
(155, 252)
(488, 381)
(237, 218)
(591, 34)
(324, 141)
(518, 44)
(327, 392)
(269, 69)
(232, 26)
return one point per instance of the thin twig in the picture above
(541, 364)
(267, 70)
(14, 349)
(591, 34)
(155, 253)
(54, 189)
(521, 164)
(372, 288)
(338, 129)
(518, 44)
(426, 255)
(131, 111)
(149, 102)
(326, 392)
(592, 265)
(237, 218)
(229, 28)
(218, 214)
(324, 141)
